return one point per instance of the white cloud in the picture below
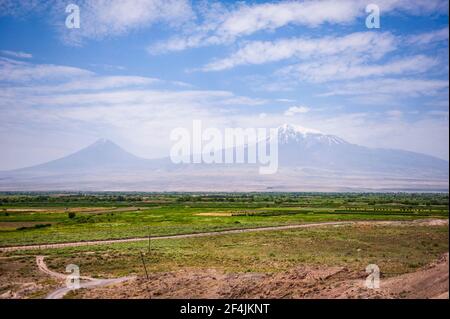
(248, 19)
(108, 18)
(23, 7)
(108, 67)
(369, 44)
(17, 54)
(49, 78)
(155, 98)
(79, 88)
(406, 87)
(429, 136)
(17, 71)
(285, 100)
(126, 109)
(394, 113)
(218, 23)
(439, 113)
(89, 83)
(415, 7)
(428, 37)
(103, 18)
(424, 135)
(295, 110)
(225, 25)
(348, 67)
(142, 119)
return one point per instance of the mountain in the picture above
(308, 161)
(101, 155)
(302, 147)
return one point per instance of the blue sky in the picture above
(135, 70)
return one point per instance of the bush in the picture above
(71, 215)
(34, 227)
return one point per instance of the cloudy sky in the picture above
(136, 69)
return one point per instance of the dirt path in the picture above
(88, 281)
(429, 222)
(43, 267)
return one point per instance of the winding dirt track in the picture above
(213, 233)
(88, 281)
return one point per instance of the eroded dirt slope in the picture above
(302, 282)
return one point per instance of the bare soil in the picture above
(431, 281)
(21, 279)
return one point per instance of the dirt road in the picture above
(223, 232)
(88, 281)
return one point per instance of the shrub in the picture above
(71, 215)
(34, 227)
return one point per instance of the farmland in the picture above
(401, 233)
(29, 219)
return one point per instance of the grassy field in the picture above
(52, 218)
(396, 249)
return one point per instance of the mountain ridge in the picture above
(307, 158)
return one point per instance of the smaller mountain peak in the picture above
(102, 141)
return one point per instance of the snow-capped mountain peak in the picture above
(288, 133)
(296, 129)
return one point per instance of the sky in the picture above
(135, 70)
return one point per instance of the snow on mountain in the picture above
(288, 133)
(308, 160)
(300, 147)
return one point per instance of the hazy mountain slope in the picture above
(101, 156)
(309, 161)
(304, 148)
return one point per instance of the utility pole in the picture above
(143, 262)
(148, 232)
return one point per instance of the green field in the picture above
(52, 218)
(397, 248)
